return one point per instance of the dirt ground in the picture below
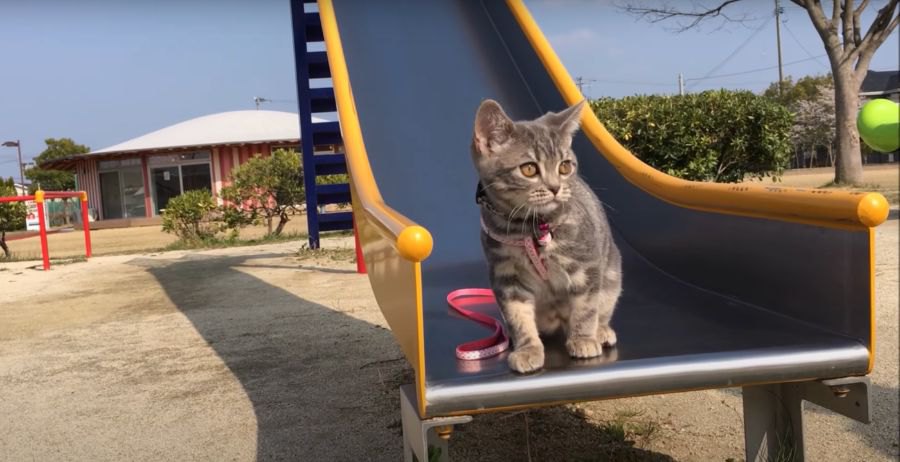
(264, 353)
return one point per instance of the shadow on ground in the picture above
(324, 385)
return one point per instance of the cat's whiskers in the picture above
(513, 214)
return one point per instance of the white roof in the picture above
(223, 128)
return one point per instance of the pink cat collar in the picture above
(528, 244)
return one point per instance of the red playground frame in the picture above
(39, 197)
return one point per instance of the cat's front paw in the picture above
(583, 347)
(528, 359)
(606, 335)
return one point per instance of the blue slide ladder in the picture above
(307, 28)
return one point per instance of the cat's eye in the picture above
(566, 167)
(529, 170)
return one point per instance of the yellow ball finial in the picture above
(872, 210)
(39, 196)
(415, 243)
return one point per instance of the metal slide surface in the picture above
(710, 299)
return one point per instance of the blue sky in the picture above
(102, 72)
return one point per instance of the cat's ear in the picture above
(567, 120)
(493, 128)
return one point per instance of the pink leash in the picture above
(459, 299)
(486, 347)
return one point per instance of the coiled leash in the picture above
(486, 347)
(459, 299)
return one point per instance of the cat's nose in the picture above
(553, 188)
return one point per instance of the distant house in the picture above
(881, 84)
(21, 189)
(137, 178)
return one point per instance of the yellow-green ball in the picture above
(879, 125)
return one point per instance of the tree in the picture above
(267, 188)
(805, 89)
(719, 135)
(12, 214)
(55, 180)
(814, 123)
(849, 50)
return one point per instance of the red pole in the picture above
(85, 223)
(45, 251)
(360, 262)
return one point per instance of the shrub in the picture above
(12, 214)
(720, 135)
(192, 216)
(265, 188)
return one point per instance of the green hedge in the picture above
(720, 135)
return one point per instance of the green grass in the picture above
(339, 255)
(629, 427)
(15, 258)
(891, 194)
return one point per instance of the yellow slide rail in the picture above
(393, 245)
(856, 211)
(834, 209)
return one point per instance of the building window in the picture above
(172, 175)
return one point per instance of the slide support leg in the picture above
(773, 414)
(419, 434)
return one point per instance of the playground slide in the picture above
(724, 285)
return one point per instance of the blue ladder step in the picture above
(325, 133)
(317, 61)
(330, 164)
(333, 194)
(322, 100)
(313, 27)
(335, 221)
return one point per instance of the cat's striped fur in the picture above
(584, 264)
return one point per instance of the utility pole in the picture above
(581, 82)
(778, 11)
(18, 145)
(681, 84)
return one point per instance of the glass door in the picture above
(133, 192)
(110, 195)
(166, 183)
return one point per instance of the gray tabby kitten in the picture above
(528, 178)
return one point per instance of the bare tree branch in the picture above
(655, 15)
(885, 22)
(835, 13)
(826, 29)
(867, 49)
(847, 23)
(856, 22)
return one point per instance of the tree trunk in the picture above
(269, 224)
(283, 219)
(3, 243)
(830, 154)
(848, 168)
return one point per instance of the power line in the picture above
(736, 50)
(751, 71)
(797, 41)
(632, 82)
